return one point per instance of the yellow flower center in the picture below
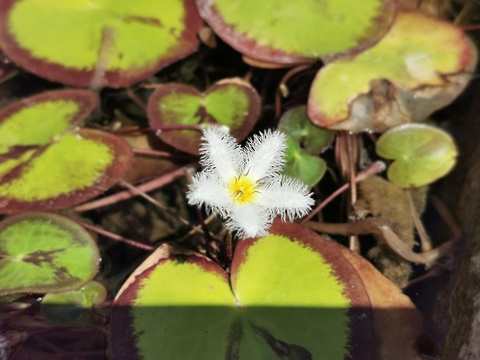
(242, 189)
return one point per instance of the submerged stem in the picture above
(114, 236)
(373, 169)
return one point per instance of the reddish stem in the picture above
(283, 86)
(114, 236)
(470, 27)
(373, 169)
(229, 247)
(127, 194)
(155, 202)
(158, 153)
(159, 129)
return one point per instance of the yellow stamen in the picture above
(242, 189)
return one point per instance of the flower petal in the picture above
(249, 221)
(208, 189)
(265, 154)
(286, 197)
(221, 154)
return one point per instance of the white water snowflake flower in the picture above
(244, 185)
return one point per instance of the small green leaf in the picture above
(419, 66)
(299, 164)
(45, 164)
(73, 308)
(295, 122)
(231, 102)
(74, 41)
(421, 154)
(42, 252)
(283, 31)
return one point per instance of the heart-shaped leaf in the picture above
(294, 296)
(42, 252)
(73, 308)
(103, 42)
(421, 65)
(231, 102)
(283, 31)
(46, 165)
(301, 165)
(313, 139)
(422, 154)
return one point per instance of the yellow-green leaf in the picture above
(403, 78)
(118, 41)
(42, 252)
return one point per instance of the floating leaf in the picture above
(283, 31)
(42, 252)
(294, 296)
(421, 65)
(301, 165)
(44, 164)
(74, 308)
(37, 119)
(230, 102)
(421, 154)
(106, 42)
(295, 122)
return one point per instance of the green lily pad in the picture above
(233, 103)
(42, 252)
(109, 42)
(74, 307)
(295, 296)
(421, 154)
(45, 164)
(301, 165)
(313, 139)
(420, 65)
(37, 119)
(283, 31)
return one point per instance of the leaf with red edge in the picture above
(289, 32)
(98, 42)
(44, 164)
(295, 295)
(35, 120)
(233, 103)
(420, 65)
(43, 252)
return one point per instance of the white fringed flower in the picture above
(244, 185)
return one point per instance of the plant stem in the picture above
(353, 242)
(229, 247)
(383, 229)
(375, 168)
(422, 233)
(114, 236)
(470, 27)
(160, 129)
(135, 98)
(155, 202)
(159, 153)
(283, 89)
(127, 194)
